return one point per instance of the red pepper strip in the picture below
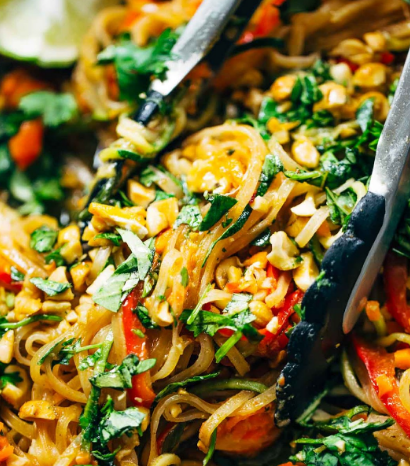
(395, 281)
(6, 282)
(141, 383)
(274, 342)
(164, 434)
(353, 66)
(379, 362)
(387, 58)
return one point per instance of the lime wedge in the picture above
(46, 32)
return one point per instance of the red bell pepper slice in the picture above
(379, 362)
(7, 283)
(395, 283)
(274, 342)
(141, 393)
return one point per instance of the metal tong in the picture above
(209, 37)
(333, 303)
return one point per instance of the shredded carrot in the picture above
(402, 359)
(162, 241)
(17, 84)
(260, 257)
(27, 144)
(6, 450)
(384, 385)
(373, 311)
(324, 230)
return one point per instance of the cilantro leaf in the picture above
(55, 109)
(142, 253)
(8, 377)
(364, 114)
(43, 239)
(120, 377)
(116, 423)
(144, 318)
(5, 325)
(220, 205)
(136, 65)
(50, 287)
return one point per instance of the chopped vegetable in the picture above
(50, 287)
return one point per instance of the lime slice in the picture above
(47, 32)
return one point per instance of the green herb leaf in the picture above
(120, 377)
(113, 237)
(211, 449)
(271, 167)
(117, 423)
(184, 277)
(142, 252)
(364, 114)
(16, 275)
(144, 318)
(136, 65)
(12, 378)
(5, 325)
(263, 239)
(233, 229)
(50, 287)
(55, 109)
(190, 215)
(56, 257)
(220, 205)
(43, 239)
(173, 387)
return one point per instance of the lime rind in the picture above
(46, 32)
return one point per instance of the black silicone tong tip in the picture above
(315, 342)
(149, 107)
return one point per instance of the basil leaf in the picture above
(50, 287)
(43, 239)
(220, 205)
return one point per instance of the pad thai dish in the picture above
(147, 296)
